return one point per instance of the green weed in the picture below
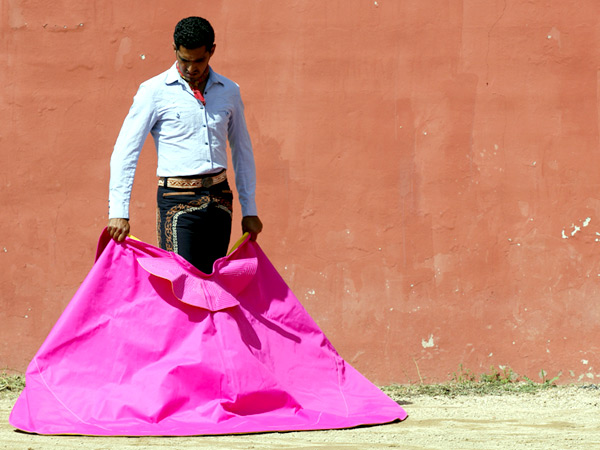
(497, 381)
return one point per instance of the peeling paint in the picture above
(575, 229)
(554, 34)
(428, 343)
(309, 293)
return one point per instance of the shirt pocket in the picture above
(179, 117)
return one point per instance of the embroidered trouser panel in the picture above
(195, 223)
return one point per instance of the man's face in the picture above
(193, 62)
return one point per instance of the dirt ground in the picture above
(562, 418)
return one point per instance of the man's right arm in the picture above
(135, 129)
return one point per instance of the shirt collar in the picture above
(174, 77)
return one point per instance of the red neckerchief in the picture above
(195, 86)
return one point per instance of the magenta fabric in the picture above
(151, 346)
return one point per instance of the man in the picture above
(191, 112)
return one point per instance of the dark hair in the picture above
(194, 32)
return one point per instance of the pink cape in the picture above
(149, 345)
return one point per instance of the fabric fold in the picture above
(151, 346)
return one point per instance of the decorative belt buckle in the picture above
(207, 182)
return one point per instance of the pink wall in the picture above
(428, 170)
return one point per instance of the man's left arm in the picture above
(244, 168)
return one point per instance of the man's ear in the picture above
(174, 46)
(212, 50)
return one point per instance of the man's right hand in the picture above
(118, 229)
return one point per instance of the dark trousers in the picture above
(195, 223)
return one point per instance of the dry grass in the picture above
(464, 382)
(11, 385)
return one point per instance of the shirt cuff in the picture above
(249, 208)
(118, 212)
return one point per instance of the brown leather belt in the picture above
(192, 182)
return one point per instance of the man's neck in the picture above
(200, 83)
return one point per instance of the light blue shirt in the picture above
(190, 138)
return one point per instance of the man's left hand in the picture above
(252, 225)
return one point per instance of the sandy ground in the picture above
(563, 418)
